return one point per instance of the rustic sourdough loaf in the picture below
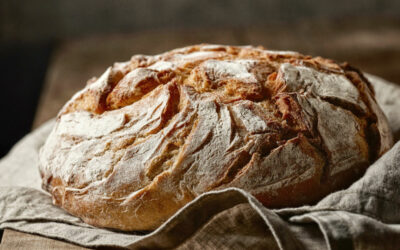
(151, 134)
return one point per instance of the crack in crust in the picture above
(150, 134)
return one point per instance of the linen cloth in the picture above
(364, 216)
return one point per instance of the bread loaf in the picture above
(151, 134)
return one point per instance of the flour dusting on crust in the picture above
(151, 134)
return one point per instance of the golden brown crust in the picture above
(153, 133)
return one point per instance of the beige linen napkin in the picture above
(364, 216)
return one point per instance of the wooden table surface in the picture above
(374, 49)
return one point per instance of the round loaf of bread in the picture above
(151, 134)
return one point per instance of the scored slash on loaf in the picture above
(151, 134)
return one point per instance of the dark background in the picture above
(31, 31)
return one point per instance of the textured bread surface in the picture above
(151, 134)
